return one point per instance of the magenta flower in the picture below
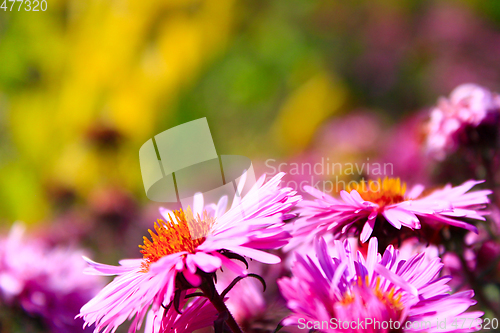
(47, 283)
(383, 205)
(173, 260)
(468, 105)
(352, 293)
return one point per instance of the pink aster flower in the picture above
(380, 206)
(367, 294)
(468, 105)
(46, 282)
(173, 260)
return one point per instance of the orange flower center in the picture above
(382, 192)
(183, 233)
(389, 298)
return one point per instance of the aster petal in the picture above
(415, 191)
(347, 197)
(355, 195)
(206, 262)
(403, 216)
(130, 262)
(318, 194)
(221, 206)
(233, 266)
(165, 213)
(392, 217)
(371, 257)
(324, 258)
(450, 221)
(261, 256)
(367, 230)
(396, 279)
(198, 204)
(102, 269)
(192, 278)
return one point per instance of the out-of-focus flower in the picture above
(196, 314)
(458, 261)
(384, 288)
(402, 147)
(488, 260)
(469, 105)
(375, 205)
(173, 255)
(477, 260)
(47, 283)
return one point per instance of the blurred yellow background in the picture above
(86, 83)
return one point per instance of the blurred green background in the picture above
(84, 84)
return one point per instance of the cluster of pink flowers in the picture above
(183, 284)
(371, 258)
